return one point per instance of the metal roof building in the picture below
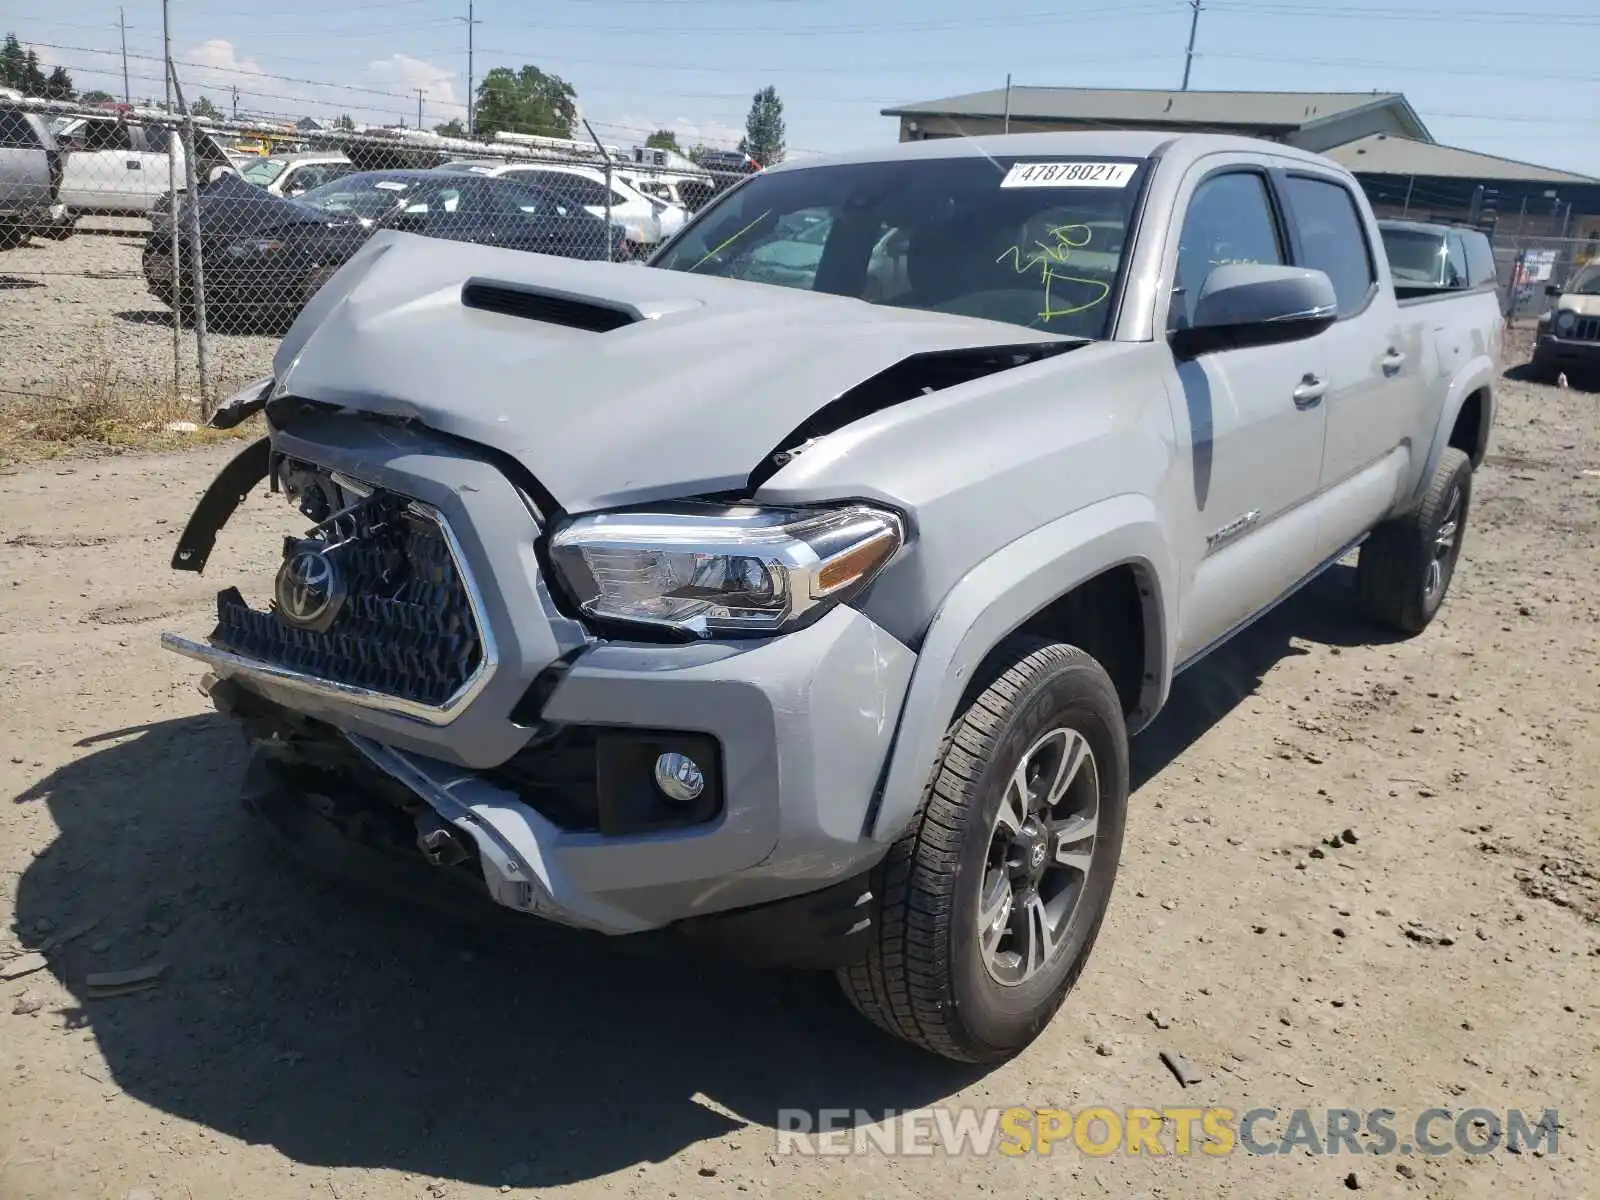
(1378, 136)
(1312, 120)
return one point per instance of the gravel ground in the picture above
(304, 1042)
(68, 307)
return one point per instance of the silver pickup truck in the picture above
(670, 605)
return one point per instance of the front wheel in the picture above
(992, 899)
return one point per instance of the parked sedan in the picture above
(264, 256)
(294, 175)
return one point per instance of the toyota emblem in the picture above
(309, 590)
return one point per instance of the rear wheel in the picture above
(1406, 565)
(992, 899)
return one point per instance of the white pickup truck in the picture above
(813, 619)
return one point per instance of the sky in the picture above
(1483, 74)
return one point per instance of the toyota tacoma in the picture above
(664, 603)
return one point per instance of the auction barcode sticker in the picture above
(1069, 174)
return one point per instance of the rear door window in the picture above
(1332, 239)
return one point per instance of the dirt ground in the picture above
(80, 306)
(304, 1042)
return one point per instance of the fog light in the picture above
(679, 777)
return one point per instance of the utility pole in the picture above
(472, 113)
(122, 24)
(166, 50)
(420, 94)
(236, 102)
(1194, 28)
(1007, 127)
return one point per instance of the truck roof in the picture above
(1085, 143)
(1112, 143)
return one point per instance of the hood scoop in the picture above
(549, 307)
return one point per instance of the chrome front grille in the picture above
(400, 619)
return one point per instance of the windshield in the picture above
(368, 194)
(1037, 243)
(1414, 256)
(1586, 282)
(263, 171)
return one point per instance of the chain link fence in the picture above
(1530, 266)
(180, 250)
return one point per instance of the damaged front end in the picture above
(532, 625)
(417, 697)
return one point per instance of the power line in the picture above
(1520, 73)
(237, 70)
(1476, 16)
(1016, 20)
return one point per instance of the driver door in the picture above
(1250, 423)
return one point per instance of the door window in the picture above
(1230, 220)
(105, 135)
(1332, 239)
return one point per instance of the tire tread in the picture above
(902, 985)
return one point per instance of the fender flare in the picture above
(996, 597)
(1477, 375)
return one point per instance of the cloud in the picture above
(402, 73)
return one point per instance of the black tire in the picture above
(12, 236)
(926, 978)
(1395, 582)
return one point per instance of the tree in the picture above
(13, 63)
(96, 96)
(664, 139)
(526, 101)
(764, 129)
(34, 81)
(204, 108)
(58, 85)
(453, 128)
(19, 69)
(345, 122)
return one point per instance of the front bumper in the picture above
(803, 723)
(1554, 351)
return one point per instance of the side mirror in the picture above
(1552, 289)
(1257, 304)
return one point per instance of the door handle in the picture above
(1309, 391)
(1393, 361)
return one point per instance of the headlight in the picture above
(254, 246)
(712, 570)
(1565, 321)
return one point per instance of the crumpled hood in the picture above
(705, 380)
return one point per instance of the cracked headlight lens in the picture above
(713, 570)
